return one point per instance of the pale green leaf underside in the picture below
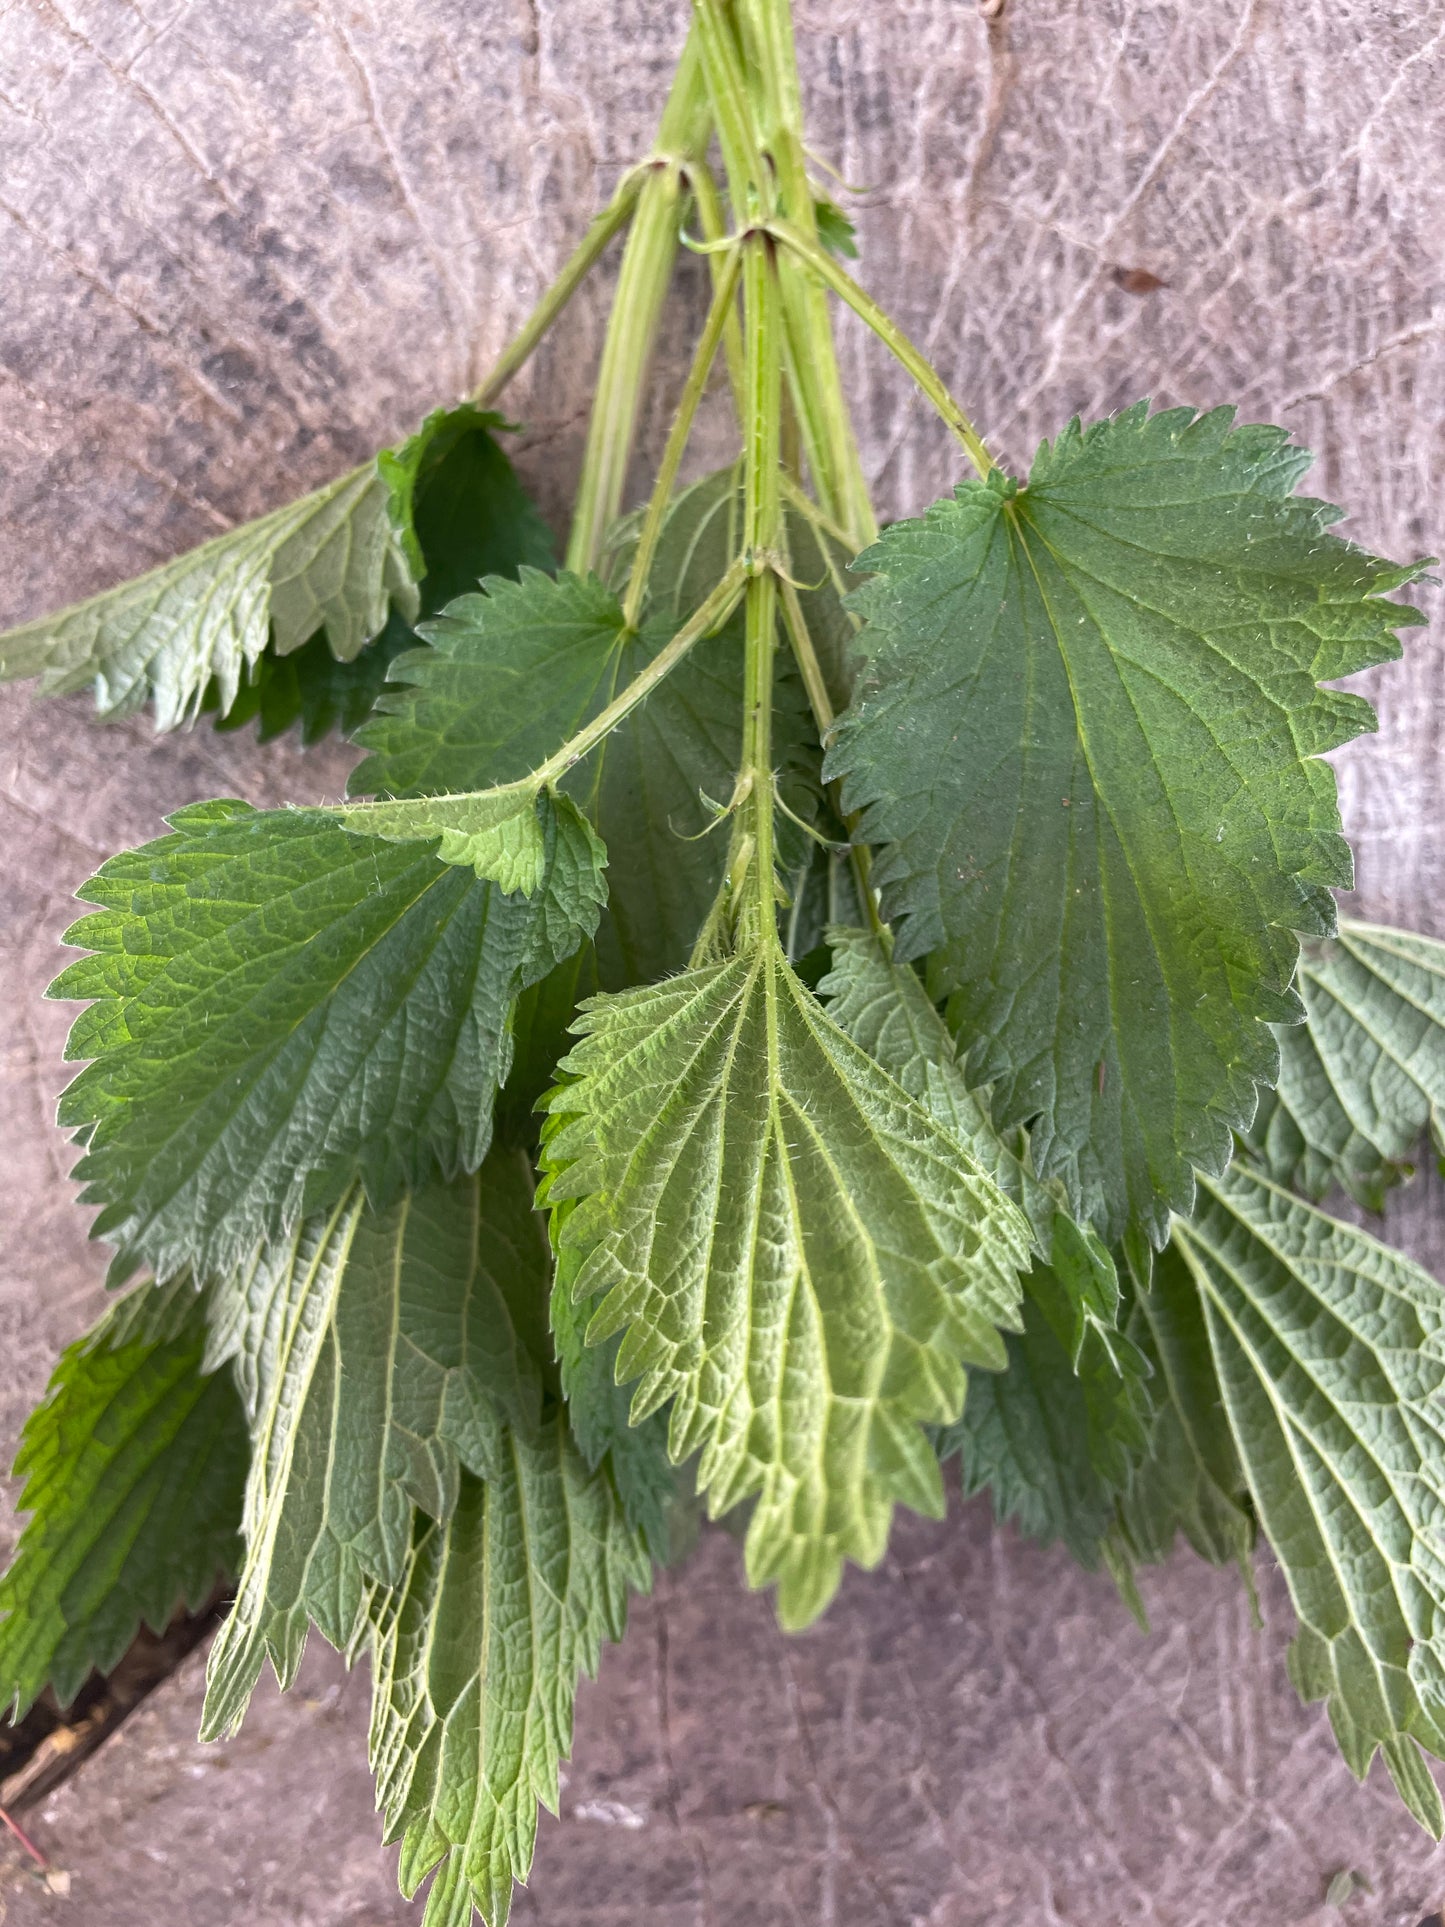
(281, 1007)
(1088, 741)
(379, 1354)
(476, 1657)
(1054, 1433)
(1330, 1354)
(133, 1468)
(800, 1256)
(501, 835)
(598, 1410)
(1361, 1080)
(884, 1007)
(331, 561)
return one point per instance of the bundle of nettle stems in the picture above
(738, 76)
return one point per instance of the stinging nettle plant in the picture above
(784, 1005)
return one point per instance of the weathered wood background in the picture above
(241, 246)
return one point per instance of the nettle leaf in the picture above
(1089, 742)
(1330, 1353)
(379, 1353)
(281, 1007)
(134, 1467)
(598, 1408)
(802, 1258)
(505, 836)
(884, 1007)
(311, 688)
(470, 517)
(510, 675)
(836, 232)
(1188, 1479)
(1359, 1081)
(1055, 1435)
(476, 1657)
(516, 671)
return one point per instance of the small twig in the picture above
(24, 1838)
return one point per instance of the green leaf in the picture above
(133, 1470)
(1089, 742)
(330, 561)
(515, 672)
(884, 1007)
(459, 511)
(598, 1408)
(471, 518)
(193, 630)
(802, 1257)
(1056, 1434)
(312, 688)
(502, 835)
(1188, 1479)
(475, 1665)
(379, 1353)
(282, 1007)
(511, 674)
(835, 230)
(1363, 1077)
(1330, 1352)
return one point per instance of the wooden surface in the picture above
(241, 246)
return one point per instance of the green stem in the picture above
(821, 703)
(710, 340)
(890, 334)
(709, 616)
(710, 219)
(820, 519)
(812, 363)
(762, 536)
(600, 230)
(748, 178)
(642, 284)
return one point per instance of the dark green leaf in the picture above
(1089, 742)
(133, 1470)
(1189, 1478)
(312, 688)
(281, 1007)
(515, 672)
(835, 230)
(1056, 1434)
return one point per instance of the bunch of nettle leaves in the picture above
(883, 946)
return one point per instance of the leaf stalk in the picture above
(890, 334)
(642, 284)
(721, 311)
(584, 257)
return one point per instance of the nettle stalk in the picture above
(782, 1007)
